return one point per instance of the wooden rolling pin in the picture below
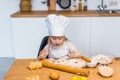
(86, 59)
(82, 72)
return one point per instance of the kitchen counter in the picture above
(65, 13)
(19, 71)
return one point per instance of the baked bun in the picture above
(35, 65)
(54, 76)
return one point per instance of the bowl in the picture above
(93, 63)
(105, 71)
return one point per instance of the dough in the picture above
(65, 68)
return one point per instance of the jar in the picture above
(25, 5)
(75, 5)
(85, 5)
(80, 5)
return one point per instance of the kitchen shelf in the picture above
(38, 14)
(45, 13)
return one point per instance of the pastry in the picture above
(35, 65)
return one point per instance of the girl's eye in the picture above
(60, 38)
(54, 38)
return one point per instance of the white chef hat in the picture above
(56, 24)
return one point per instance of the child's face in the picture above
(57, 40)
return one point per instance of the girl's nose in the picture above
(56, 41)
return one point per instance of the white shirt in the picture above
(60, 51)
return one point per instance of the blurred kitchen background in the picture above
(21, 37)
(8, 7)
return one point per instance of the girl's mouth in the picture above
(57, 44)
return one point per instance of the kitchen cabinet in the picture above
(79, 32)
(28, 33)
(105, 35)
(91, 35)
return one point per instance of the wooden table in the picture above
(19, 71)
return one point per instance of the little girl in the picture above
(58, 46)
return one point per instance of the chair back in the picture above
(43, 44)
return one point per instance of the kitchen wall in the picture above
(92, 4)
(8, 7)
(111, 4)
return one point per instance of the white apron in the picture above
(58, 52)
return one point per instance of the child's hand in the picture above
(42, 54)
(74, 55)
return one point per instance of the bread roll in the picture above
(35, 65)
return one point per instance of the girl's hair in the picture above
(49, 41)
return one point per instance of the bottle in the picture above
(75, 5)
(80, 5)
(85, 5)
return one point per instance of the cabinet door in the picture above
(105, 35)
(28, 33)
(78, 32)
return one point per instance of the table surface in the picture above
(19, 71)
